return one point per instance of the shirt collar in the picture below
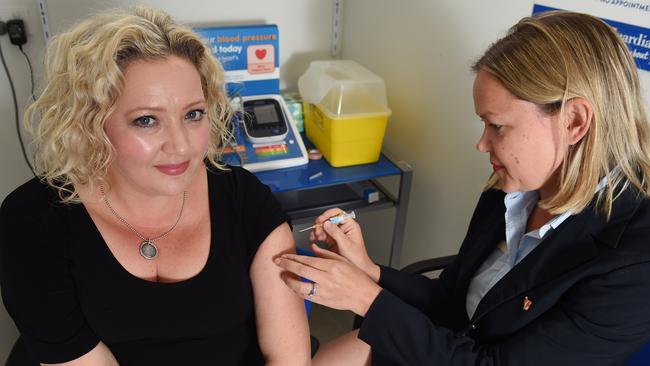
(526, 200)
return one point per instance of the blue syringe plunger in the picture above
(342, 217)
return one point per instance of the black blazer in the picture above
(588, 286)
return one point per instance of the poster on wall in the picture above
(631, 19)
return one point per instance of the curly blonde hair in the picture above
(83, 78)
(556, 56)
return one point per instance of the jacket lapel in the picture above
(571, 244)
(481, 240)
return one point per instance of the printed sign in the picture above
(631, 19)
(249, 55)
(261, 59)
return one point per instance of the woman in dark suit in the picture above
(555, 267)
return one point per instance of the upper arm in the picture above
(282, 327)
(281, 320)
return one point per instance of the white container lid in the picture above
(343, 88)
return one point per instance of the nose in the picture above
(483, 144)
(177, 139)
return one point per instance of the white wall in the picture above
(424, 50)
(304, 25)
(14, 170)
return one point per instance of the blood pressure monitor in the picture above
(264, 119)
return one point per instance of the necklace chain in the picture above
(136, 232)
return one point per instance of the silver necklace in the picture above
(148, 249)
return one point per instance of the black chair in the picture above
(429, 265)
(420, 267)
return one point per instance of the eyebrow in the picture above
(485, 115)
(157, 108)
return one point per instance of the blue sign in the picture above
(249, 55)
(636, 38)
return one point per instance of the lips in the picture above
(497, 167)
(173, 169)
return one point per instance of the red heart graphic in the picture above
(260, 54)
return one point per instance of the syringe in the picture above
(334, 220)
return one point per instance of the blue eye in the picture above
(145, 121)
(195, 115)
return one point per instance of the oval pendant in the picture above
(148, 250)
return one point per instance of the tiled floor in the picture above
(326, 324)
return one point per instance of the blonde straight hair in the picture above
(83, 78)
(554, 57)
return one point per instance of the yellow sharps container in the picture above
(345, 111)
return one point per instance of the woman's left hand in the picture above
(337, 283)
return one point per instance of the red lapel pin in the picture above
(527, 303)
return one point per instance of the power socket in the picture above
(17, 33)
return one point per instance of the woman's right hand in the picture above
(345, 239)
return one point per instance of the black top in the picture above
(66, 291)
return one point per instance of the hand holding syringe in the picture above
(338, 219)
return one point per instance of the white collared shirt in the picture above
(517, 246)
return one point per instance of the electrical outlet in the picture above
(22, 10)
(17, 33)
(15, 11)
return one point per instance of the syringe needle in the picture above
(309, 228)
(334, 219)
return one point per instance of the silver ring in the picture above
(312, 292)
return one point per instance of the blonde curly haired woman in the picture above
(135, 246)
